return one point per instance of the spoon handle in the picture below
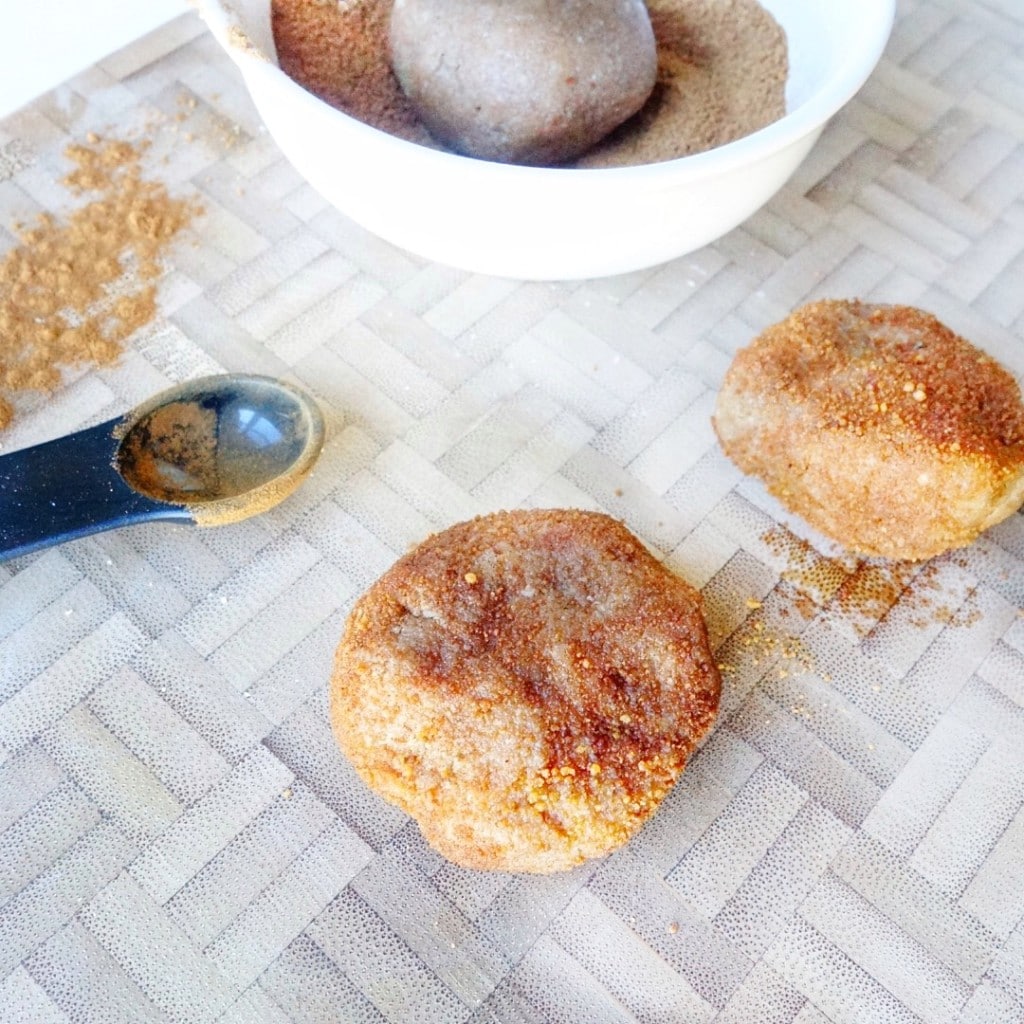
(69, 488)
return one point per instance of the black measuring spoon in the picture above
(209, 451)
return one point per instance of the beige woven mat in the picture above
(179, 838)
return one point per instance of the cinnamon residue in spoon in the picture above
(75, 290)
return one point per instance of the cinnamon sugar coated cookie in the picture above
(527, 685)
(879, 425)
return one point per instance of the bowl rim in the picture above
(843, 80)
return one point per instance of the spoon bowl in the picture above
(209, 451)
(226, 447)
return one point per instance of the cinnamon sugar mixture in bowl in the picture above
(722, 67)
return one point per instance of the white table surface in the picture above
(45, 42)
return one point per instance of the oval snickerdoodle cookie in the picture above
(527, 685)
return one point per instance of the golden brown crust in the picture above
(879, 425)
(528, 685)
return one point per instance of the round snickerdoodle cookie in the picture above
(527, 685)
(878, 425)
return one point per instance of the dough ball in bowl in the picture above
(527, 685)
(880, 426)
(523, 81)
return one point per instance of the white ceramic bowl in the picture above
(556, 223)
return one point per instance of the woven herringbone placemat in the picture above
(180, 839)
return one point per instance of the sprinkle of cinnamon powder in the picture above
(865, 590)
(74, 291)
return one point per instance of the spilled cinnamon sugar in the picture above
(75, 289)
(864, 591)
